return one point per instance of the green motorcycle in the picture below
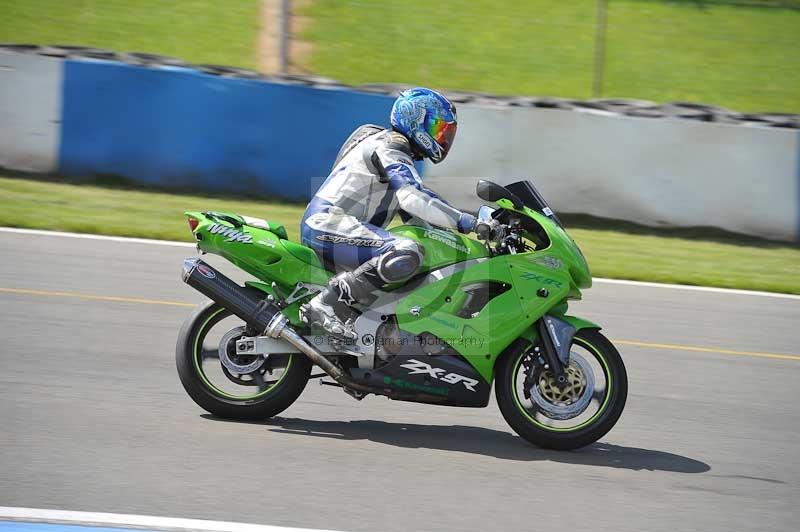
(480, 312)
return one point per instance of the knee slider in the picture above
(400, 263)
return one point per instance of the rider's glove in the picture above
(466, 223)
(487, 229)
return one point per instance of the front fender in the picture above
(531, 333)
(580, 323)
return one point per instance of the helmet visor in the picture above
(444, 133)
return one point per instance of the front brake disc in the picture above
(567, 402)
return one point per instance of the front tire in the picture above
(270, 399)
(539, 426)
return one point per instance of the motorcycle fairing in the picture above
(445, 380)
(483, 337)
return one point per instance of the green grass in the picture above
(198, 31)
(739, 56)
(122, 212)
(611, 253)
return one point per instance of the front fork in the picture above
(551, 350)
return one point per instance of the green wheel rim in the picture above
(196, 355)
(596, 415)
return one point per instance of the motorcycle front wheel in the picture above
(570, 416)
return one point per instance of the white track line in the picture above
(135, 521)
(731, 291)
(87, 236)
(600, 280)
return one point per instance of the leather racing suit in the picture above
(372, 181)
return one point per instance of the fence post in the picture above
(599, 48)
(283, 37)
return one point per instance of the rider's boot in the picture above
(333, 307)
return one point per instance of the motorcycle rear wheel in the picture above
(540, 427)
(271, 398)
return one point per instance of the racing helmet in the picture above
(428, 120)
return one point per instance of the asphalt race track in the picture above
(93, 417)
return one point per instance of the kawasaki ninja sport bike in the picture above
(479, 313)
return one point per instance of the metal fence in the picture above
(740, 54)
(603, 33)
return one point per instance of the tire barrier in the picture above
(82, 111)
(210, 128)
(628, 107)
(30, 110)
(672, 173)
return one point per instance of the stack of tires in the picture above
(627, 107)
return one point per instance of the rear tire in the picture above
(526, 425)
(269, 403)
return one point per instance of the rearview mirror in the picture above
(486, 190)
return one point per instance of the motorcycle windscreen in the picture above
(533, 199)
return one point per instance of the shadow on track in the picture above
(482, 441)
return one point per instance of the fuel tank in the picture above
(442, 247)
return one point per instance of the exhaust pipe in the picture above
(261, 314)
(218, 287)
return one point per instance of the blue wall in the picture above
(180, 127)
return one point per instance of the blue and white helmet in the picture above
(427, 119)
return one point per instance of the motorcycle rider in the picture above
(372, 180)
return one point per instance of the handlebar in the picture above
(506, 239)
